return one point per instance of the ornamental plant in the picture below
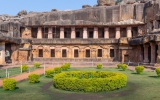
(139, 69)
(158, 71)
(57, 70)
(33, 78)
(37, 64)
(124, 66)
(68, 65)
(99, 66)
(49, 73)
(64, 67)
(24, 67)
(9, 84)
(119, 66)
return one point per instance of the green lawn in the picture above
(13, 71)
(139, 87)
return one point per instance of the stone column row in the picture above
(85, 33)
(153, 54)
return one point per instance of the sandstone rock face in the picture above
(54, 10)
(127, 2)
(86, 6)
(144, 1)
(23, 12)
(106, 2)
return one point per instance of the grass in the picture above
(139, 87)
(13, 71)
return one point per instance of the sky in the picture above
(12, 7)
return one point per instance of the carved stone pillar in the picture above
(106, 33)
(118, 32)
(2, 53)
(73, 33)
(26, 33)
(129, 33)
(146, 54)
(58, 52)
(153, 56)
(155, 24)
(70, 52)
(46, 52)
(158, 51)
(85, 33)
(39, 34)
(95, 33)
(81, 53)
(93, 53)
(62, 33)
(14, 55)
(50, 36)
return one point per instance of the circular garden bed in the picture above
(90, 81)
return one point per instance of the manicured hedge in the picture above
(33, 78)
(37, 64)
(139, 69)
(9, 84)
(99, 66)
(89, 81)
(158, 71)
(49, 73)
(24, 67)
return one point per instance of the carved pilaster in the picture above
(158, 51)
(26, 33)
(146, 53)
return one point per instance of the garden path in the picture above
(24, 76)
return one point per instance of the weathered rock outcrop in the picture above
(21, 13)
(86, 6)
(106, 2)
(127, 2)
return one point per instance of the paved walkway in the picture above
(24, 76)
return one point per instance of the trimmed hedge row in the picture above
(89, 81)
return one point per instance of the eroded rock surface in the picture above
(106, 2)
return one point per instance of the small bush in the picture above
(24, 67)
(33, 78)
(49, 73)
(9, 84)
(158, 71)
(119, 66)
(99, 66)
(139, 69)
(64, 67)
(57, 70)
(37, 64)
(124, 66)
(68, 65)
